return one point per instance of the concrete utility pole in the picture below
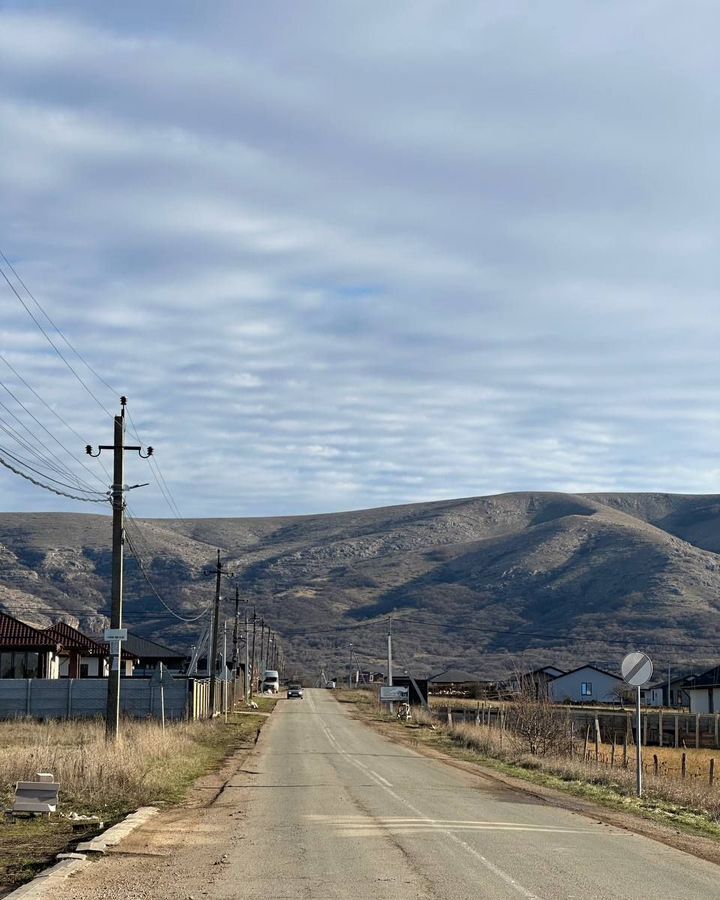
(262, 645)
(215, 630)
(252, 670)
(389, 665)
(235, 632)
(112, 712)
(246, 682)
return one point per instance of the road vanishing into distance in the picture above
(326, 808)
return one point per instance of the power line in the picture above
(52, 343)
(147, 578)
(47, 487)
(154, 465)
(57, 466)
(56, 414)
(23, 462)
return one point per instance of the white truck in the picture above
(270, 681)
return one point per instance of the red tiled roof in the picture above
(72, 639)
(16, 635)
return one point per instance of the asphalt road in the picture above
(326, 808)
(337, 811)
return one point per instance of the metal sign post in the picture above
(637, 669)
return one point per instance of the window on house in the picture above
(7, 666)
(586, 688)
(30, 663)
(84, 670)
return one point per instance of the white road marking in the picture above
(380, 778)
(490, 866)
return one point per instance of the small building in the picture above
(147, 655)
(456, 682)
(26, 652)
(703, 691)
(586, 684)
(536, 681)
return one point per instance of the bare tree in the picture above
(538, 726)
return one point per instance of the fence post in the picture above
(697, 731)
(449, 718)
(683, 766)
(625, 743)
(660, 729)
(585, 744)
(477, 715)
(68, 703)
(655, 765)
(712, 772)
(717, 735)
(612, 752)
(644, 730)
(677, 730)
(28, 697)
(597, 740)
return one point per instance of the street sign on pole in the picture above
(637, 669)
(115, 634)
(394, 694)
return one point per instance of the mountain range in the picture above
(488, 584)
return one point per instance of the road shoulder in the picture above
(697, 845)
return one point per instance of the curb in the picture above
(47, 882)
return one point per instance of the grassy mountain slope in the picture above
(485, 583)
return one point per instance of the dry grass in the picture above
(694, 793)
(148, 765)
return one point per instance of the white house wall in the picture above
(704, 700)
(568, 687)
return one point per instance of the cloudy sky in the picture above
(344, 255)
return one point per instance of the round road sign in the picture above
(637, 669)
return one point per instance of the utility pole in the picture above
(252, 678)
(262, 645)
(215, 630)
(389, 664)
(246, 682)
(112, 712)
(235, 632)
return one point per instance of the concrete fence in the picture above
(76, 698)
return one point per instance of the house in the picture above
(80, 656)
(703, 691)
(537, 681)
(586, 684)
(657, 693)
(147, 655)
(26, 652)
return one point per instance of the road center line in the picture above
(490, 866)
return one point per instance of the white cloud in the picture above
(374, 255)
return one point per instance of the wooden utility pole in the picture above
(112, 711)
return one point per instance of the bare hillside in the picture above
(485, 583)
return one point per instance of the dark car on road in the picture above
(295, 691)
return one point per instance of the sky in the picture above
(343, 255)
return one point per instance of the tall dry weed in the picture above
(96, 775)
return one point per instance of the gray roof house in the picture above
(586, 684)
(148, 654)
